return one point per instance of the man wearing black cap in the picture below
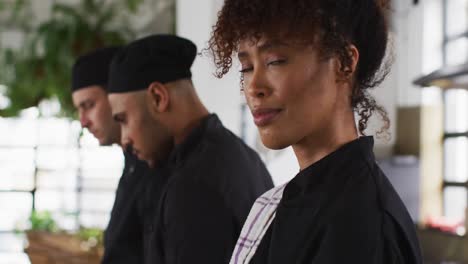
(123, 239)
(214, 178)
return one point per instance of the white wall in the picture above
(418, 48)
(405, 50)
(222, 96)
(416, 40)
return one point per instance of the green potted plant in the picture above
(48, 244)
(42, 221)
(40, 68)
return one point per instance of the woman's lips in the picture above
(263, 117)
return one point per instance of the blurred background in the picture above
(49, 166)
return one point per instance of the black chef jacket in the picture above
(341, 209)
(214, 180)
(123, 238)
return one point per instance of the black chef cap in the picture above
(161, 58)
(93, 68)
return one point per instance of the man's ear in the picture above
(158, 95)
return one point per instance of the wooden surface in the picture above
(47, 248)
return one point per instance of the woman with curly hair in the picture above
(307, 67)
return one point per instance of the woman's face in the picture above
(292, 92)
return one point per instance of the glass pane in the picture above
(106, 184)
(14, 258)
(20, 132)
(16, 168)
(101, 202)
(102, 158)
(57, 179)
(88, 140)
(66, 221)
(56, 132)
(455, 202)
(457, 17)
(456, 159)
(61, 201)
(11, 242)
(53, 158)
(96, 220)
(15, 208)
(456, 110)
(457, 51)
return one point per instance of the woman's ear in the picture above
(346, 72)
(353, 53)
(158, 96)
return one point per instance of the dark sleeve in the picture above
(397, 248)
(357, 243)
(123, 236)
(198, 226)
(341, 244)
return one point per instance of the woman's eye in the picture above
(247, 69)
(276, 62)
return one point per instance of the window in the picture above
(46, 164)
(455, 52)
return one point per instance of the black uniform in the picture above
(214, 180)
(123, 239)
(341, 209)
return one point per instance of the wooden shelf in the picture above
(448, 77)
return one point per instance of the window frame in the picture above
(78, 188)
(449, 135)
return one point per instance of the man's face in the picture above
(95, 114)
(148, 138)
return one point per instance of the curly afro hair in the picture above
(330, 25)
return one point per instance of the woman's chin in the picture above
(274, 142)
